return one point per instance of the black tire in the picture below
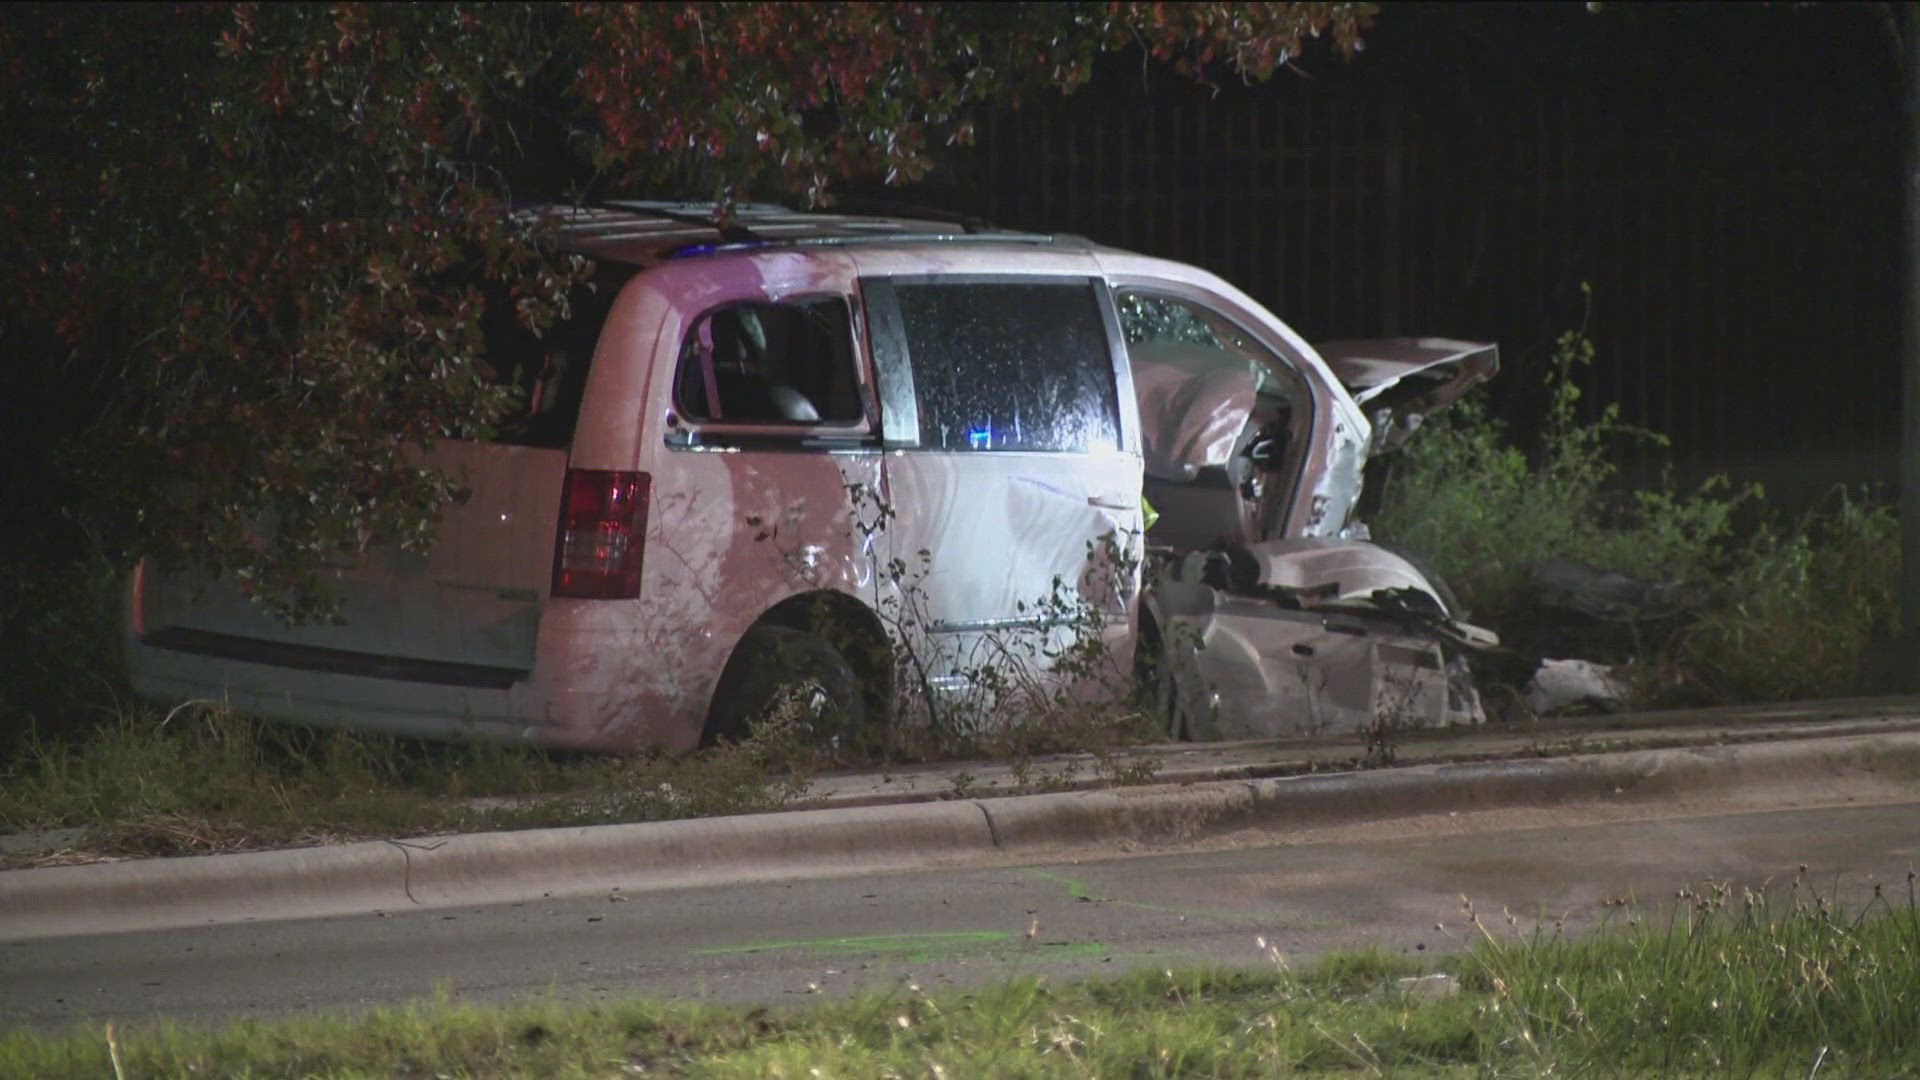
(1166, 706)
(776, 668)
(1155, 684)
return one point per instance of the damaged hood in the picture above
(1397, 382)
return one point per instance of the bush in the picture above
(61, 670)
(1800, 608)
(1482, 512)
(1788, 614)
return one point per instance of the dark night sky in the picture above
(1725, 176)
(1770, 105)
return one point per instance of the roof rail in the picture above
(731, 232)
(643, 232)
(967, 222)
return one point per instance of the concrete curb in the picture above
(524, 866)
(1259, 759)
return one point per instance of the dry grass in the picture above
(205, 779)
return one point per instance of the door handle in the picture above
(1112, 502)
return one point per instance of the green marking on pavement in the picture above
(1075, 888)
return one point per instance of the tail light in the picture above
(603, 530)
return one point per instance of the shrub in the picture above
(61, 670)
(1800, 608)
(1483, 512)
(1788, 614)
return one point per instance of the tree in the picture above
(251, 244)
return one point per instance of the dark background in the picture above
(1724, 176)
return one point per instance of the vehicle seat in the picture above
(1195, 401)
(739, 375)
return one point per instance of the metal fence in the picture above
(1742, 262)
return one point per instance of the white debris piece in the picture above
(1426, 987)
(1565, 684)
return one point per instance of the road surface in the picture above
(1400, 884)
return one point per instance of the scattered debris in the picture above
(1426, 987)
(1579, 610)
(1565, 685)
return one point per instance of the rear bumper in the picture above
(602, 675)
(532, 710)
(524, 712)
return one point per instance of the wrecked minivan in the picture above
(1258, 623)
(765, 461)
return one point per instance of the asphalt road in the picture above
(1400, 884)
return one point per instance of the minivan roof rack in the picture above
(644, 232)
(970, 222)
(731, 231)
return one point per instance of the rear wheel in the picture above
(782, 675)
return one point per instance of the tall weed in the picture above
(1775, 982)
(1058, 678)
(1056, 685)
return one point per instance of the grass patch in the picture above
(1726, 984)
(1745, 985)
(206, 779)
(1219, 1023)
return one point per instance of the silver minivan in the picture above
(786, 452)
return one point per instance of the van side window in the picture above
(761, 363)
(1010, 365)
(1163, 319)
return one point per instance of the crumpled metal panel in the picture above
(1399, 382)
(1324, 638)
(1342, 569)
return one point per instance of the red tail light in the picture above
(603, 533)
